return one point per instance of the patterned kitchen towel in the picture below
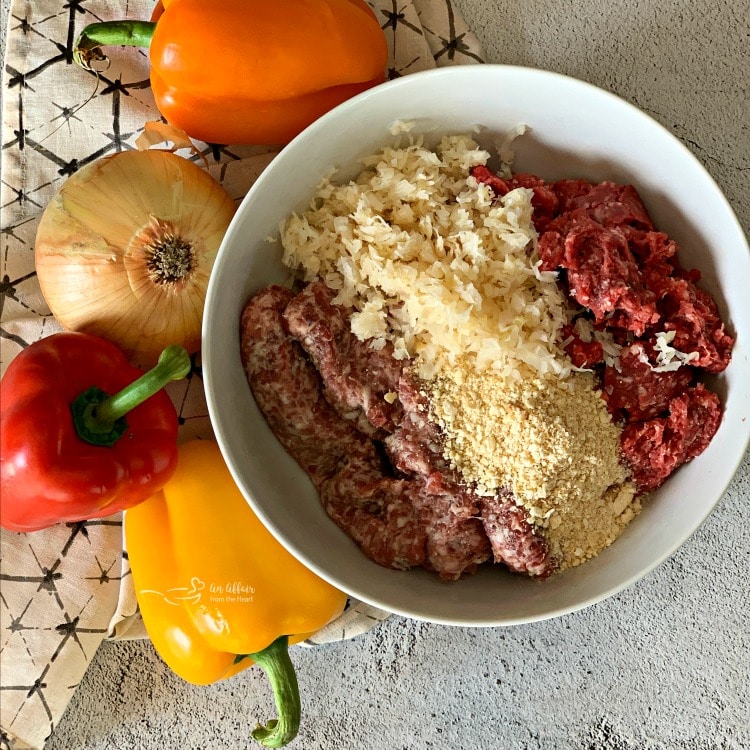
(66, 589)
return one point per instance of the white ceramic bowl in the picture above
(577, 130)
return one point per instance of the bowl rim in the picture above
(490, 71)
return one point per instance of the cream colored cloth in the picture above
(65, 589)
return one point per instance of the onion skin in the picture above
(95, 257)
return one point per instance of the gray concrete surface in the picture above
(662, 665)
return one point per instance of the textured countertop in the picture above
(662, 665)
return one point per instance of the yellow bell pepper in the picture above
(217, 592)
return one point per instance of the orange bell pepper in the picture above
(250, 71)
(217, 592)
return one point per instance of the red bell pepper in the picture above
(67, 450)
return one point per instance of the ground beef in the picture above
(615, 264)
(543, 200)
(693, 315)
(603, 277)
(584, 354)
(652, 249)
(417, 448)
(626, 273)
(506, 526)
(634, 392)
(607, 203)
(656, 447)
(357, 377)
(411, 511)
(286, 388)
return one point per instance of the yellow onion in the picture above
(125, 250)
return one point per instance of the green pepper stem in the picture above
(119, 33)
(99, 417)
(275, 662)
(173, 364)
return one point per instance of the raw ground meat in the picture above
(286, 388)
(634, 392)
(584, 354)
(693, 315)
(614, 263)
(655, 448)
(456, 545)
(411, 512)
(609, 204)
(416, 448)
(378, 462)
(652, 249)
(603, 277)
(376, 511)
(506, 526)
(372, 507)
(544, 201)
(357, 377)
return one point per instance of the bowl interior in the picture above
(575, 130)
